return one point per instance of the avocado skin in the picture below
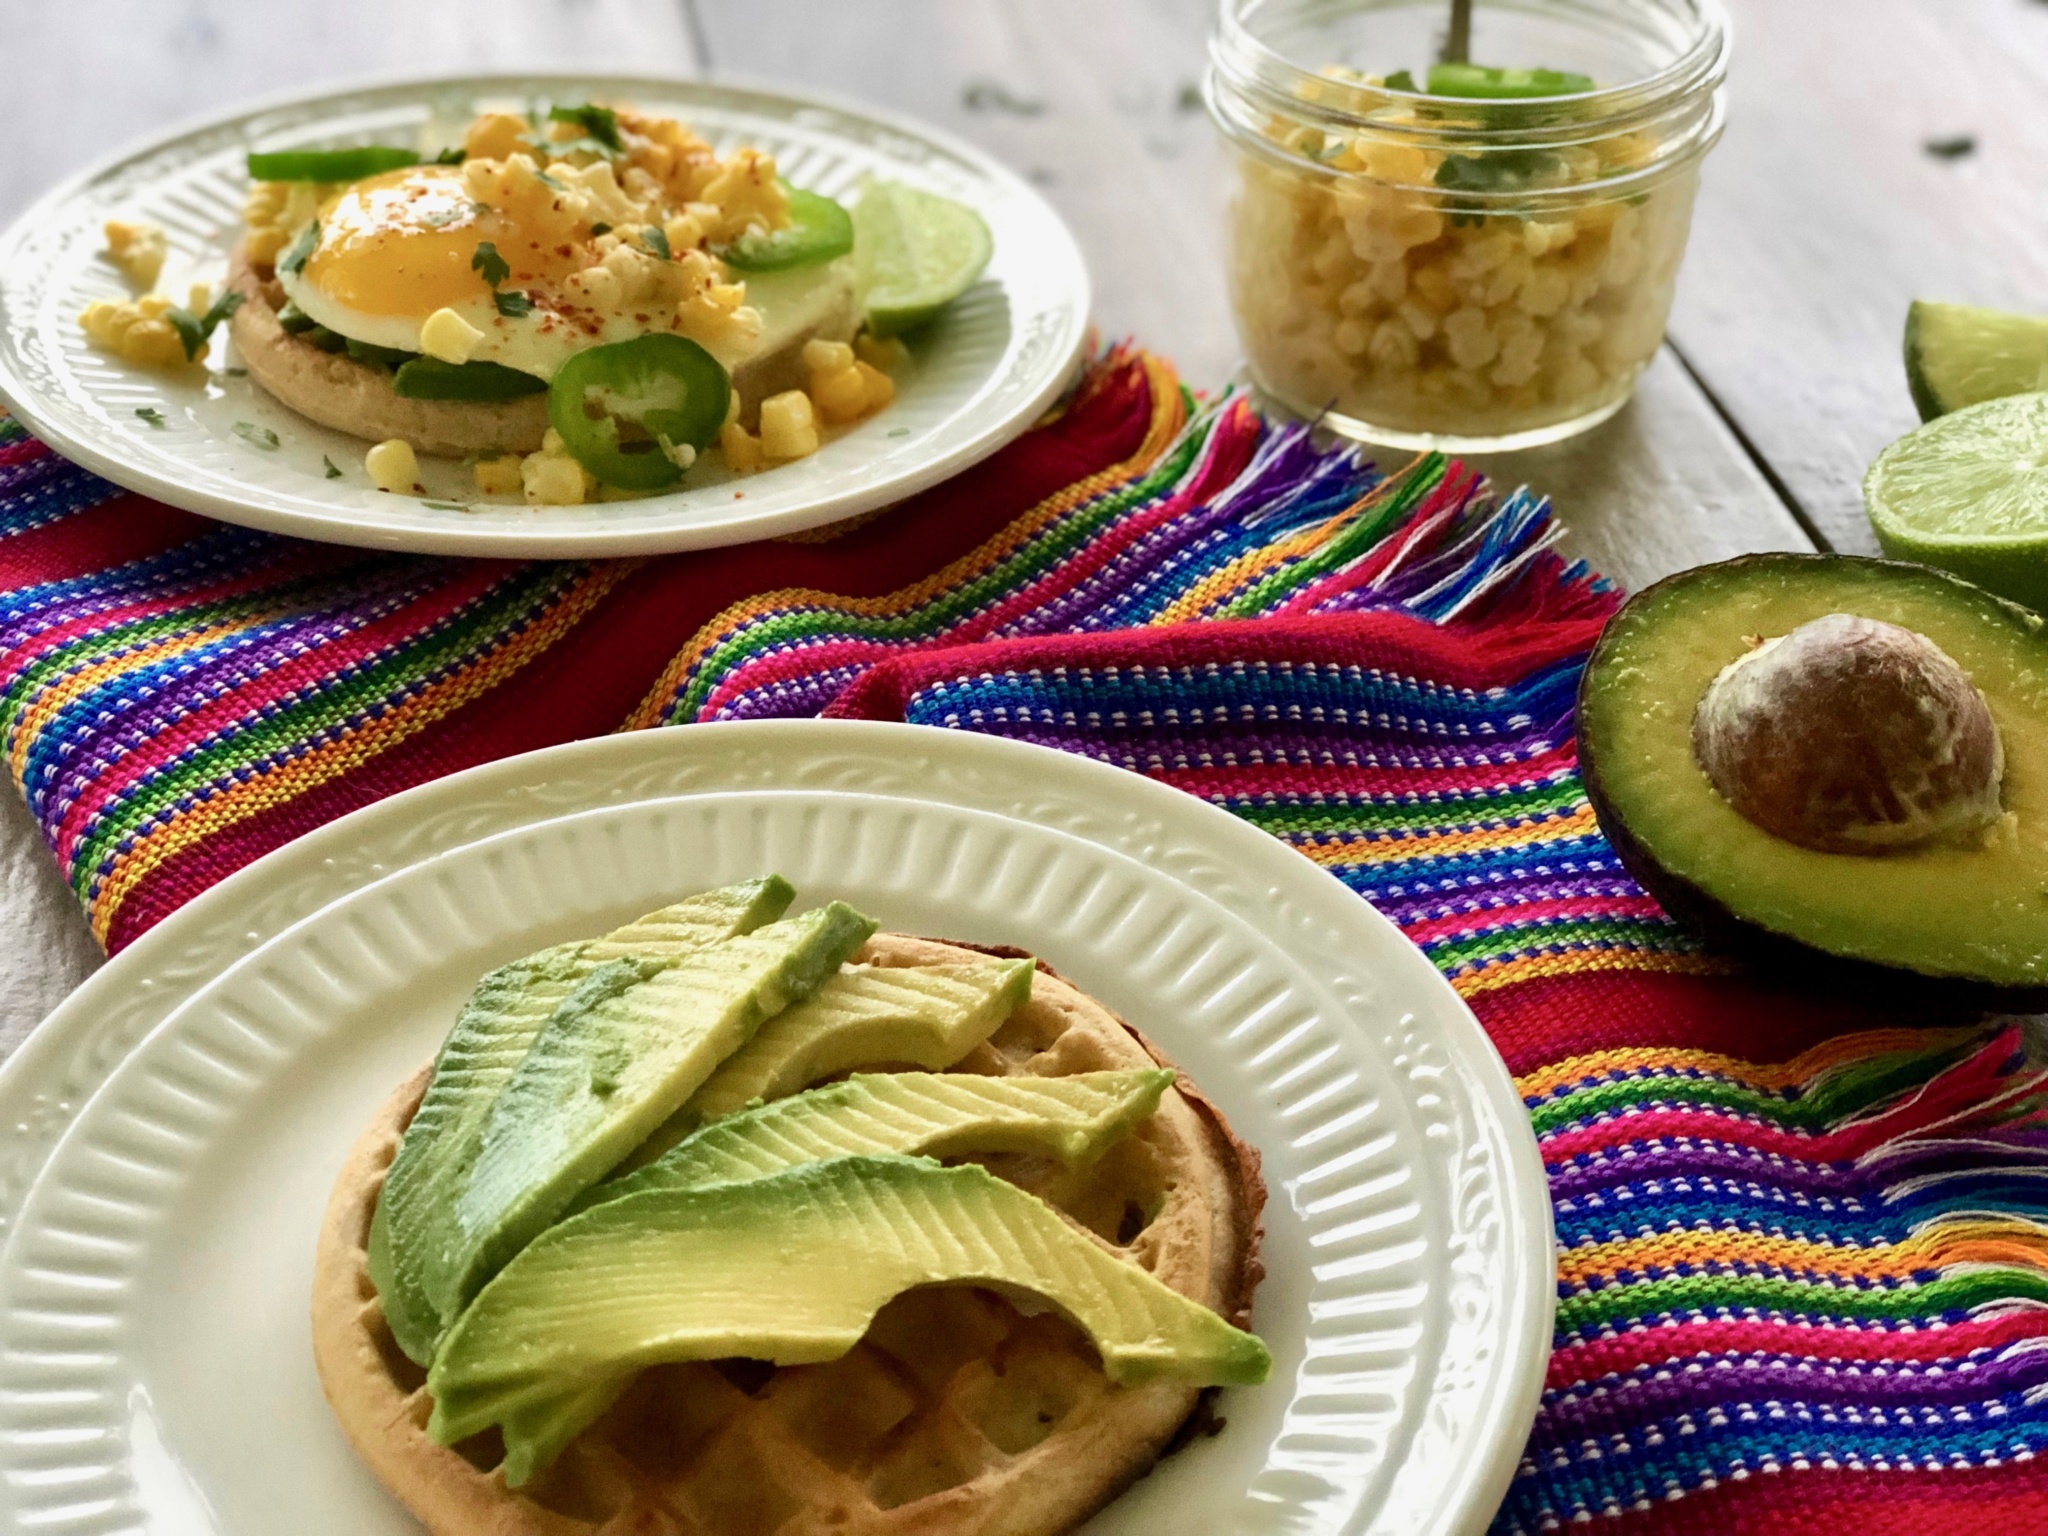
(1784, 957)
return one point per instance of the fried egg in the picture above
(396, 249)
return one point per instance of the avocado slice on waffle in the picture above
(954, 1413)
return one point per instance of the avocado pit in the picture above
(1851, 735)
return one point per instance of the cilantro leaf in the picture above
(333, 473)
(445, 506)
(150, 414)
(495, 268)
(294, 259)
(261, 438)
(190, 333)
(600, 228)
(599, 123)
(657, 240)
(513, 306)
(451, 156)
(1400, 80)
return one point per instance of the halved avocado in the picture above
(1972, 912)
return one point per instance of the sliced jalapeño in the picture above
(627, 411)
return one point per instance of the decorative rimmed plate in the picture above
(176, 1124)
(977, 378)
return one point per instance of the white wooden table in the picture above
(1823, 214)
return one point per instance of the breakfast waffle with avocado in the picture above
(731, 1221)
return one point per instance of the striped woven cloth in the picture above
(1803, 1271)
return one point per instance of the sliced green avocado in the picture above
(923, 1016)
(674, 1275)
(490, 1038)
(927, 1114)
(1972, 911)
(616, 1059)
(932, 1114)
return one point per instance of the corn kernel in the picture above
(393, 466)
(741, 448)
(821, 356)
(552, 481)
(494, 135)
(153, 344)
(881, 388)
(137, 249)
(498, 476)
(840, 395)
(884, 352)
(789, 427)
(447, 336)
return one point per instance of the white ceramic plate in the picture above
(978, 377)
(177, 1123)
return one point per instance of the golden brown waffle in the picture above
(957, 1415)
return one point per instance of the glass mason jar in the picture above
(1440, 271)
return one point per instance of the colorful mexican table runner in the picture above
(1803, 1271)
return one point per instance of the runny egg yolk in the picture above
(404, 243)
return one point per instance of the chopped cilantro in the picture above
(445, 506)
(235, 373)
(451, 156)
(548, 181)
(1400, 80)
(150, 414)
(1953, 147)
(333, 472)
(257, 437)
(900, 432)
(600, 228)
(487, 261)
(294, 260)
(599, 123)
(189, 333)
(657, 240)
(194, 329)
(513, 306)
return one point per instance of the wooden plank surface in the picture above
(1094, 102)
(1097, 104)
(1823, 215)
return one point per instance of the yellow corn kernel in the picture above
(103, 321)
(552, 478)
(880, 387)
(884, 352)
(393, 466)
(821, 356)
(789, 427)
(137, 249)
(494, 135)
(447, 336)
(741, 448)
(841, 395)
(264, 246)
(153, 344)
(498, 476)
(152, 306)
(553, 482)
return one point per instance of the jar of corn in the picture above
(1461, 228)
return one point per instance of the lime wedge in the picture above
(917, 253)
(1968, 492)
(1958, 355)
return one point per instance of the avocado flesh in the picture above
(923, 1016)
(490, 1038)
(674, 1275)
(926, 1114)
(613, 1062)
(1975, 912)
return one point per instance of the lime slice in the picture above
(1968, 492)
(917, 252)
(1957, 355)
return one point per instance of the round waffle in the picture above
(957, 1415)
